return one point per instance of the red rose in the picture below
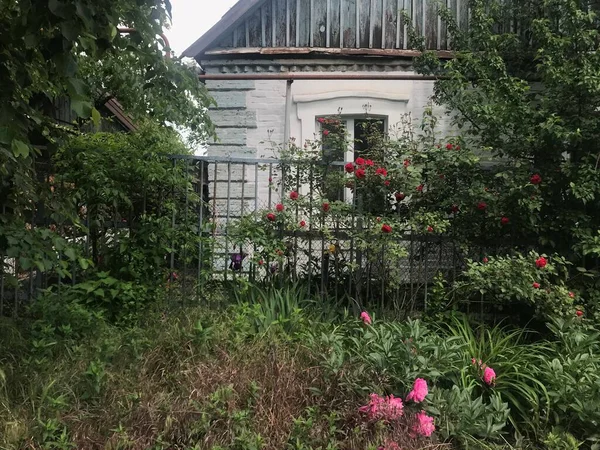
(536, 285)
(430, 229)
(381, 171)
(294, 195)
(325, 207)
(420, 188)
(271, 217)
(325, 132)
(454, 208)
(579, 313)
(571, 294)
(321, 120)
(349, 167)
(481, 206)
(302, 223)
(485, 260)
(400, 196)
(541, 262)
(279, 207)
(369, 162)
(406, 162)
(535, 179)
(386, 182)
(449, 146)
(386, 228)
(360, 161)
(360, 173)
(504, 221)
(260, 262)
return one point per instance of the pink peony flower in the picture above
(424, 425)
(365, 317)
(419, 391)
(387, 408)
(489, 376)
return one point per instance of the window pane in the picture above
(367, 134)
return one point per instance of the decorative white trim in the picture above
(307, 98)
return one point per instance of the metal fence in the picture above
(334, 252)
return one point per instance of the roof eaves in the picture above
(227, 22)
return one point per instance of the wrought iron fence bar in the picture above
(200, 226)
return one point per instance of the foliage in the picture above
(508, 281)
(531, 100)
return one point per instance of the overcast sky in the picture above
(193, 18)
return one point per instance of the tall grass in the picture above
(516, 362)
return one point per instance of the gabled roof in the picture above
(232, 17)
(266, 28)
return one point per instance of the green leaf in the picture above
(70, 253)
(82, 108)
(96, 117)
(19, 148)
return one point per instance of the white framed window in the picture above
(357, 129)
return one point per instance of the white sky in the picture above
(193, 18)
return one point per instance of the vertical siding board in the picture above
(304, 23)
(349, 21)
(463, 14)
(293, 23)
(319, 23)
(255, 30)
(240, 36)
(364, 22)
(406, 11)
(335, 23)
(227, 41)
(268, 17)
(444, 29)
(390, 23)
(431, 24)
(418, 16)
(376, 25)
(281, 23)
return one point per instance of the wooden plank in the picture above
(431, 24)
(255, 30)
(410, 21)
(364, 23)
(319, 23)
(376, 24)
(463, 14)
(292, 6)
(239, 36)
(227, 41)
(349, 21)
(390, 23)
(268, 24)
(281, 23)
(379, 52)
(334, 24)
(418, 16)
(303, 21)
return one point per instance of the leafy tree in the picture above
(525, 82)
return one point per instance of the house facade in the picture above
(275, 67)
